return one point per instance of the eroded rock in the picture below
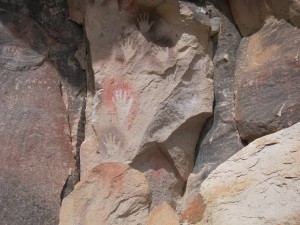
(219, 139)
(111, 194)
(36, 153)
(267, 80)
(250, 16)
(150, 91)
(163, 214)
(258, 185)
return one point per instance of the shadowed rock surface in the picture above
(36, 153)
(267, 80)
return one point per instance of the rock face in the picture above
(267, 80)
(111, 194)
(163, 214)
(52, 17)
(258, 185)
(250, 16)
(36, 152)
(150, 91)
(222, 140)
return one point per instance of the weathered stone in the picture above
(194, 212)
(163, 214)
(111, 194)
(258, 185)
(76, 10)
(23, 43)
(219, 139)
(36, 154)
(250, 16)
(267, 80)
(53, 18)
(150, 91)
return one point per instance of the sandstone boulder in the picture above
(267, 80)
(36, 152)
(250, 16)
(258, 185)
(111, 194)
(150, 90)
(163, 214)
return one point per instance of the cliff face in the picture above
(164, 112)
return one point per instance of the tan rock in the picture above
(150, 90)
(194, 211)
(111, 194)
(163, 214)
(259, 185)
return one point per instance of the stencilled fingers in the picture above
(123, 102)
(161, 53)
(144, 23)
(112, 144)
(129, 49)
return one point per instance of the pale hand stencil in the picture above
(162, 54)
(128, 49)
(123, 102)
(112, 144)
(144, 23)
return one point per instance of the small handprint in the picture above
(143, 22)
(123, 102)
(162, 54)
(112, 144)
(128, 49)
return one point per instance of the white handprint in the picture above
(162, 54)
(143, 21)
(123, 102)
(128, 49)
(112, 144)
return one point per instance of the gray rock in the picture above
(267, 80)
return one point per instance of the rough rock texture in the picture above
(150, 64)
(222, 140)
(36, 152)
(258, 185)
(267, 80)
(52, 16)
(195, 210)
(111, 194)
(163, 214)
(250, 16)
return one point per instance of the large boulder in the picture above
(258, 185)
(267, 80)
(250, 16)
(150, 90)
(111, 194)
(36, 152)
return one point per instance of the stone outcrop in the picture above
(267, 95)
(147, 71)
(222, 140)
(36, 152)
(155, 131)
(52, 18)
(111, 194)
(258, 185)
(250, 16)
(163, 214)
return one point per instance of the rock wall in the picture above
(165, 111)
